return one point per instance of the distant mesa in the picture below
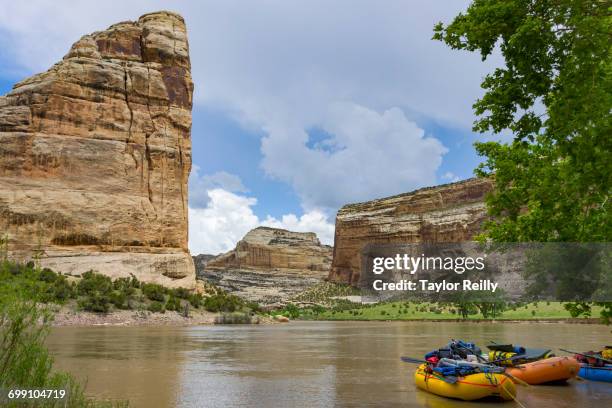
(95, 154)
(268, 265)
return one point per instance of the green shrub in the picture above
(196, 300)
(47, 275)
(92, 283)
(223, 302)
(60, 291)
(153, 291)
(318, 309)
(119, 299)
(135, 283)
(181, 293)
(173, 303)
(126, 285)
(95, 302)
(291, 311)
(95, 290)
(156, 307)
(15, 269)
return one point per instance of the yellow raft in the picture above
(468, 388)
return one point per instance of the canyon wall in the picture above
(269, 265)
(95, 154)
(446, 213)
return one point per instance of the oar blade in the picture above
(412, 360)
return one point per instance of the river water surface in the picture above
(301, 364)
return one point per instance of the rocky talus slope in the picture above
(446, 213)
(95, 154)
(269, 265)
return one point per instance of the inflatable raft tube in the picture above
(468, 388)
(596, 373)
(553, 369)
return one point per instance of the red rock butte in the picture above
(95, 154)
(446, 213)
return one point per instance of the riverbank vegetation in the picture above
(25, 363)
(93, 292)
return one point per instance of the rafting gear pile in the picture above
(460, 370)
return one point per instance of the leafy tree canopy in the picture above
(554, 94)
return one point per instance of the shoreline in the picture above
(592, 320)
(129, 318)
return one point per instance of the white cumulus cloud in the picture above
(227, 217)
(200, 184)
(368, 155)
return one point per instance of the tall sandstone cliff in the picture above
(447, 213)
(95, 154)
(270, 265)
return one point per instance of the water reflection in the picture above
(299, 364)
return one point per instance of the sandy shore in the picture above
(131, 318)
(65, 317)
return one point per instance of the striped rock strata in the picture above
(270, 265)
(446, 213)
(95, 154)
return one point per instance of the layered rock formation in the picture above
(270, 265)
(447, 213)
(95, 154)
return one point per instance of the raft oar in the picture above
(413, 360)
(588, 355)
(448, 379)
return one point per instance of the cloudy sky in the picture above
(300, 106)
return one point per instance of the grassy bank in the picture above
(329, 301)
(433, 311)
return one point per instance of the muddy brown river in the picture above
(302, 364)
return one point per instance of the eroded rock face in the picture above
(95, 154)
(270, 265)
(447, 213)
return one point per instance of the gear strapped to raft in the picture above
(457, 360)
(456, 350)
